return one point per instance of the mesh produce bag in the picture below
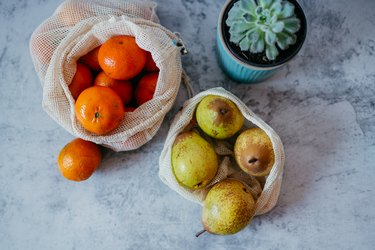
(266, 197)
(79, 26)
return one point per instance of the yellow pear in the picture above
(219, 117)
(228, 208)
(253, 152)
(194, 161)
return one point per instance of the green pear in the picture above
(194, 161)
(228, 208)
(253, 152)
(219, 117)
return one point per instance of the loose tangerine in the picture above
(121, 58)
(123, 88)
(91, 59)
(79, 159)
(99, 109)
(81, 80)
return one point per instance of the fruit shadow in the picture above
(312, 131)
(114, 161)
(147, 155)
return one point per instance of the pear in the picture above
(219, 117)
(194, 161)
(228, 208)
(254, 153)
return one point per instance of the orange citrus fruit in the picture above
(99, 109)
(146, 88)
(79, 159)
(91, 59)
(123, 88)
(129, 109)
(81, 80)
(150, 64)
(121, 58)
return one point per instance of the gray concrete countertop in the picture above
(322, 105)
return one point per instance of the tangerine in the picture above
(121, 58)
(123, 88)
(129, 109)
(91, 59)
(81, 80)
(150, 64)
(79, 159)
(146, 88)
(99, 109)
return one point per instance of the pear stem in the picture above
(200, 232)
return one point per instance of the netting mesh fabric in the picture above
(266, 197)
(79, 26)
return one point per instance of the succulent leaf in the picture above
(249, 18)
(257, 47)
(241, 27)
(245, 43)
(271, 52)
(263, 26)
(276, 6)
(248, 5)
(265, 3)
(278, 27)
(287, 10)
(237, 37)
(270, 37)
(292, 24)
(284, 39)
(273, 20)
(253, 35)
(258, 10)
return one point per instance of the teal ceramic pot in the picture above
(245, 71)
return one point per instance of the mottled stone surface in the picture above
(322, 105)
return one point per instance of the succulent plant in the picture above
(258, 25)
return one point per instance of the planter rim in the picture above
(247, 64)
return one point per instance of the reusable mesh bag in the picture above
(79, 26)
(266, 198)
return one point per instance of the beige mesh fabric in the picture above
(77, 27)
(267, 197)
